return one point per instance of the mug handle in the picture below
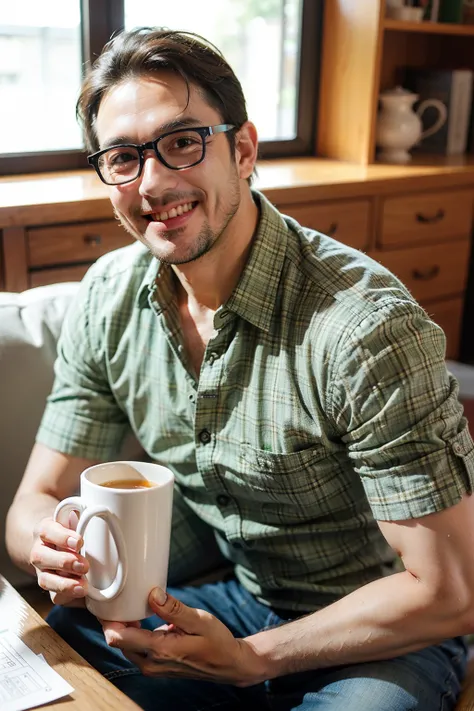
(441, 120)
(75, 503)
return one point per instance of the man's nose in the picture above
(155, 176)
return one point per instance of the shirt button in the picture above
(204, 436)
(212, 358)
(457, 448)
(223, 500)
(192, 397)
(221, 317)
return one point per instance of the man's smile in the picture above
(174, 216)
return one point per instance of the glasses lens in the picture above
(181, 149)
(118, 165)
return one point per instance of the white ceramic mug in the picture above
(126, 536)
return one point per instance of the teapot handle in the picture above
(441, 120)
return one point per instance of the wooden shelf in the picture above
(434, 28)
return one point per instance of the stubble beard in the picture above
(205, 240)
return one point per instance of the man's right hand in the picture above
(60, 569)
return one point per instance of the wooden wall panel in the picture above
(352, 46)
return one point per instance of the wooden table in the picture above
(91, 690)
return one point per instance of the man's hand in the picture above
(59, 567)
(193, 644)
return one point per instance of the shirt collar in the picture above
(254, 296)
(147, 291)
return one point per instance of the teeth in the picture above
(174, 212)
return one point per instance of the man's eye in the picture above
(117, 159)
(185, 142)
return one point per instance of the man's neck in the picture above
(208, 282)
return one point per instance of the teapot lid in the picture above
(398, 93)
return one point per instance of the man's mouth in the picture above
(172, 213)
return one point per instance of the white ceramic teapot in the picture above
(399, 127)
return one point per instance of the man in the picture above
(301, 398)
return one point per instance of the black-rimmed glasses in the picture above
(179, 149)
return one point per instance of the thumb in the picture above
(172, 610)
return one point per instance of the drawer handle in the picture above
(427, 274)
(332, 229)
(429, 220)
(93, 240)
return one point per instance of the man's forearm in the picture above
(23, 518)
(384, 619)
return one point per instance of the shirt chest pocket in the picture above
(306, 479)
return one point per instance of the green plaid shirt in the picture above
(323, 404)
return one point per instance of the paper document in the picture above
(26, 680)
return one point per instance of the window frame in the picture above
(102, 18)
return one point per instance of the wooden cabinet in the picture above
(430, 272)
(425, 217)
(348, 221)
(35, 256)
(65, 244)
(415, 220)
(41, 277)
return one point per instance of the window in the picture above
(248, 32)
(40, 76)
(272, 45)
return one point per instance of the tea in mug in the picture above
(128, 484)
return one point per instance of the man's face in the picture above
(207, 195)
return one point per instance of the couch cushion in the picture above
(29, 327)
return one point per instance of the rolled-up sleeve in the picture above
(397, 410)
(82, 417)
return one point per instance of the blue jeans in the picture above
(428, 680)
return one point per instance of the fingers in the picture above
(43, 557)
(117, 626)
(53, 533)
(59, 566)
(173, 611)
(133, 640)
(66, 601)
(69, 588)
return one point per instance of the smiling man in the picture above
(300, 396)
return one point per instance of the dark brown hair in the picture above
(146, 50)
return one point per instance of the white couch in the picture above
(29, 327)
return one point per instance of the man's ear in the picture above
(246, 148)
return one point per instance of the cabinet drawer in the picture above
(82, 242)
(346, 220)
(448, 314)
(41, 277)
(426, 216)
(430, 272)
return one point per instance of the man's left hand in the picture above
(193, 644)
